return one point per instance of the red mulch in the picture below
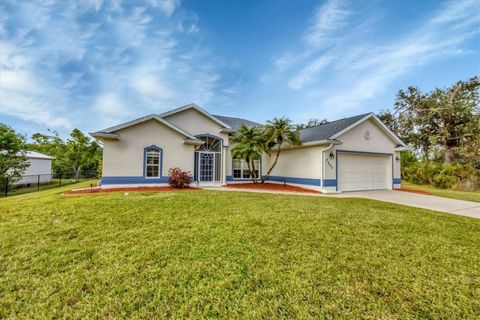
(414, 191)
(270, 187)
(133, 189)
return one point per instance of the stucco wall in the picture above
(354, 140)
(297, 163)
(196, 123)
(125, 157)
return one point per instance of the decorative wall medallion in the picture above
(366, 135)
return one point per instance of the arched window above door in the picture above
(212, 144)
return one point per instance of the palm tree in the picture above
(249, 146)
(279, 133)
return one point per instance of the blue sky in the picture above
(94, 63)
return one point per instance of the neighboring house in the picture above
(39, 169)
(356, 153)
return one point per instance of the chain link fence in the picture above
(38, 182)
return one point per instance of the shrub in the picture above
(447, 176)
(178, 178)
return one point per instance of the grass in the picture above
(233, 255)
(55, 183)
(446, 193)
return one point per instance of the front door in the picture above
(206, 165)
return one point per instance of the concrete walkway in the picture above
(453, 206)
(460, 207)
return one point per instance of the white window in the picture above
(240, 169)
(152, 163)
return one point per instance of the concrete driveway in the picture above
(460, 207)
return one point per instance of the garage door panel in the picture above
(363, 172)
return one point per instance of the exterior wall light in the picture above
(397, 158)
(332, 156)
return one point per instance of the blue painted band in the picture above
(397, 181)
(230, 178)
(330, 182)
(306, 181)
(133, 180)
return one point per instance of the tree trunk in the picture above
(253, 173)
(448, 156)
(273, 165)
(426, 152)
(249, 169)
(76, 172)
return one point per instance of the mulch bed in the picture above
(270, 187)
(129, 189)
(414, 191)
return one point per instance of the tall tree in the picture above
(72, 156)
(458, 116)
(13, 162)
(414, 123)
(249, 143)
(445, 118)
(279, 133)
(78, 152)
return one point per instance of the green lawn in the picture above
(213, 254)
(55, 183)
(447, 193)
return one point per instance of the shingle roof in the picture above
(325, 131)
(236, 123)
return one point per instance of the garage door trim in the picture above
(359, 152)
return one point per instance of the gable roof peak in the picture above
(194, 106)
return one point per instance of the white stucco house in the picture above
(350, 154)
(39, 169)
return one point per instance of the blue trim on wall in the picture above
(145, 159)
(306, 181)
(330, 182)
(397, 180)
(133, 180)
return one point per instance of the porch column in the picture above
(224, 165)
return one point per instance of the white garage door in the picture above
(364, 172)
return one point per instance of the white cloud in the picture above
(310, 71)
(329, 18)
(58, 70)
(167, 6)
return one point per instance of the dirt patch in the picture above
(128, 189)
(415, 191)
(270, 187)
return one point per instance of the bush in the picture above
(178, 178)
(446, 176)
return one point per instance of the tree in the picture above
(448, 119)
(389, 120)
(279, 133)
(78, 152)
(74, 155)
(249, 146)
(13, 162)
(458, 116)
(312, 122)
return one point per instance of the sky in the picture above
(91, 64)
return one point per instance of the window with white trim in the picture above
(240, 169)
(152, 163)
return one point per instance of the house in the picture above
(39, 169)
(356, 153)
